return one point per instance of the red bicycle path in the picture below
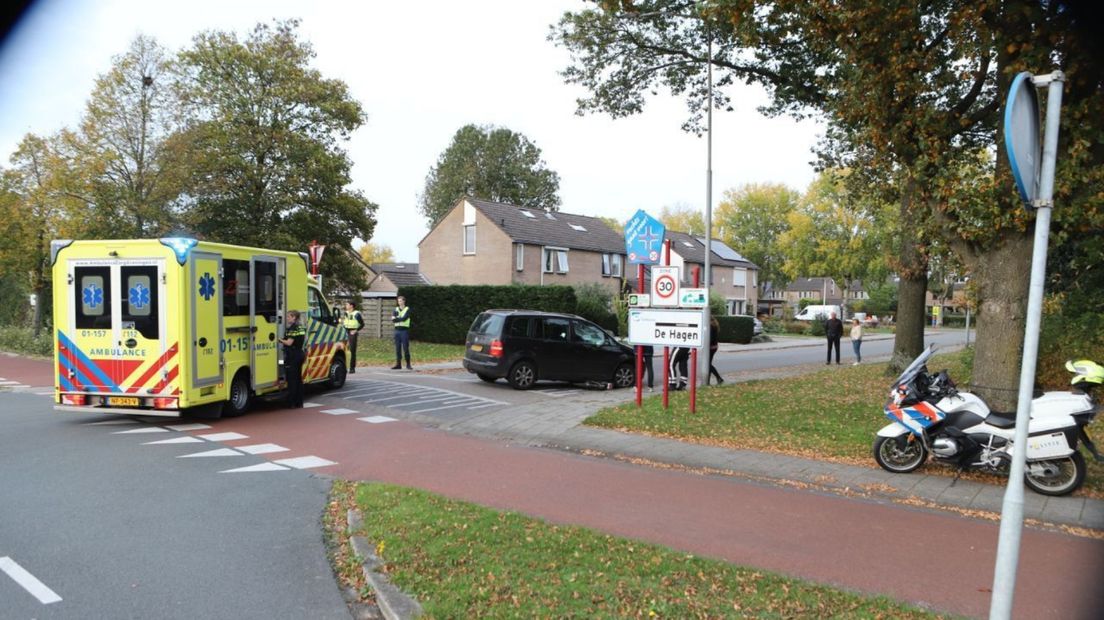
(938, 560)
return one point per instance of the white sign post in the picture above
(665, 328)
(665, 287)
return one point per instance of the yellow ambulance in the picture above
(175, 325)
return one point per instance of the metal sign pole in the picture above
(640, 349)
(1008, 548)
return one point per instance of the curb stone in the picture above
(393, 603)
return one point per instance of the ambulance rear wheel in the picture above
(337, 373)
(240, 396)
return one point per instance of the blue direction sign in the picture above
(1021, 137)
(644, 238)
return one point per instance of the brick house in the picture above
(483, 242)
(733, 277)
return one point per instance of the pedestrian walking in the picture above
(678, 369)
(833, 329)
(648, 352)
(856, 340)
(353, 322)
(294, 335)
(714, 344)
(400, 318)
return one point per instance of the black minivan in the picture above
(526, 346)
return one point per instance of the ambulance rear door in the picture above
(266, 311)
(116, 343)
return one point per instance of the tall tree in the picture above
(751, 219)
(908, 90)
(263, 141)
(683, 218)
(32, 218)
(118, 161)
(491, 163)
(373, 253)
(832, 234)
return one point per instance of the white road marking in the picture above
(311, 405)
(339, 411)
(482, 406)
(29, 582)
(262, 448)
(216, 452)
(174, 440)
(112, 422)
(305, 462)
(224, 436)
(188, 427)
(435, 408)
(147, 429)
(252, 468)
(376, 419)
(43, 393)
(6, 382)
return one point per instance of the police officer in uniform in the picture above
(400, 318)
(352, 322)
(294, 335)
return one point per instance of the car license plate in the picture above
(125, 401)
(477, 348)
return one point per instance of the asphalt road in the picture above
(95, 524)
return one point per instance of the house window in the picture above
(555, 260)
(611, 265)
(739, 277)
(519, 259)
(469, 239)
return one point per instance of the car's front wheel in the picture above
(522, 375)
(624, 376)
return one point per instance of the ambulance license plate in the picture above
(477, 348)
(124, 401)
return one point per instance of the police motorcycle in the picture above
(930, 416)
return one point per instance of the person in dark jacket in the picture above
(294, 335)
(647, 353)
(833, 329)
(400, 318)
(714, 344)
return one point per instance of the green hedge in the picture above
(955, 320)
(444, 313)
(738, 329)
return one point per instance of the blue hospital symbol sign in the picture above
(93, 296)
(139, 296)
(207, 286)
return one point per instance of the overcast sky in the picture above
(421, 71)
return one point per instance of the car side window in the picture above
(555, 329)
(519, 327)
(589, 334)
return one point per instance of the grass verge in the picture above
(381, 352)
(464, 561)
(832, 414)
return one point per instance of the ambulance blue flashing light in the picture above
(180, 246)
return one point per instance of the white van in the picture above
(811, 312)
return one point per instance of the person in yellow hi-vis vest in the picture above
(353, 323)
(400, 317)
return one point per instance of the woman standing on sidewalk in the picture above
(856, 340)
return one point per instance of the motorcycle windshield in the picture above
(914, 367)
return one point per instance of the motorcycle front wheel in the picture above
(892, 457)
(1056, 476)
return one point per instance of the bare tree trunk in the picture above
(912, 268)
(1003, 281)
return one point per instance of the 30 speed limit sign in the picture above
(665, 286)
